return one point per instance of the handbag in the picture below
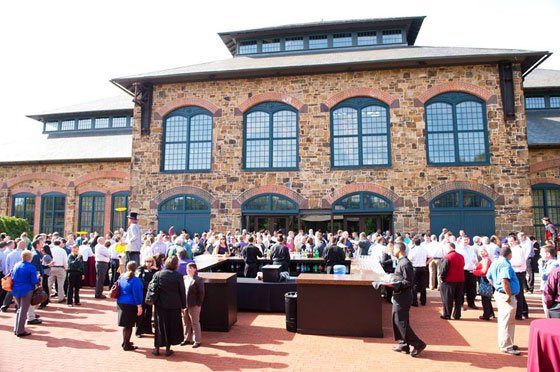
(39, 296)
(485, 288)
(7, 283)
(152, 292)
(115, 290)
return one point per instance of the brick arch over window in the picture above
(366, 186)
(271, 189)
(553, 181)
(188, 101)
(36, 176)
(424, 200)
(99, 175)
(155, 202)
(83, 190)
(544, 165)
(24, 190)
(455, 86)
(271, 97)
(360, 92)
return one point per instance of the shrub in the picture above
(14, 226)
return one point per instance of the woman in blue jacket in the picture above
(24, 281)
(129, 303)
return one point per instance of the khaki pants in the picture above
(192, 324)
(434, 273)
(506, 320)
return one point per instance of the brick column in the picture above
(108, 211)
(4, 202)
(37, 217)
(71, 213)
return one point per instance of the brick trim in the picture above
(187, 101)
(271, 97)
(117, 189)
(101, 174)
(544, 165)
(456, 86)
(397, 200)
(20, 190)
(424, 200)
(37, 176)
(271, 189)
(554, 181)
(155, 202)
(83, 190)
(45, 190)
(362, 92)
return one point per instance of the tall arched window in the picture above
(118, 216)
(23, 206)
(546, 203)
(271, 137)
(360, 133)
(92, 212)
(189, 212)
(187, 140)
(456, 130)
(53, 206)
(270, 212)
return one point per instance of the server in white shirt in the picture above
(468, 252)
(102, 258)
(435, 249)
(419, 257)
(519, 263)
(529, 250)
(58, 271)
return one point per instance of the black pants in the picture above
(114, 274)
(402, 330)
(488, 311)
(419, 285)
(452, 294)
(2, 292)
(74, 279)
(522, 308)
(530, 274)
(470, 287)
(251, 270)
(45, 285)
(133, 256)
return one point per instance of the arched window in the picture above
(270, 203)
(187, 211)
(456, 130)
(270, 212)
(362, 202)
(92, 212)
(360, 133)
(271, 137)
(53, 206)
(187, 140)
(23, 206)
(118, 216)
(546, 203)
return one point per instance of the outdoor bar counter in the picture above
(339, 305)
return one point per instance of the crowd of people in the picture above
(159, 290)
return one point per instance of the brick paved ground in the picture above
(87, 339)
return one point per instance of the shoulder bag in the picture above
(39, 296)
(7, 282)
(152, 292)
(484, 287)
(115, 290)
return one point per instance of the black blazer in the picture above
(170, 290)
(196, 292)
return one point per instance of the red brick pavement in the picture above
(87, 338)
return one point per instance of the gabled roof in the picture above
(543, 128)
(411, 26)
(105, 105)
(542, 78)
(333, 61)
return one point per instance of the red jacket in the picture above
(452, 268)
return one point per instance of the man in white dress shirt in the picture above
(419, 257)
(133, 239)
(519, 263)
(58, 270)
(435, 249)
(102, 258)
(469, 253)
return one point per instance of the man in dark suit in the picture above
(251, 256)
(194, 287)
(333, 254)
(452, 277)
(402, 300)
(280, 254)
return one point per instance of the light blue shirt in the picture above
(13, 258)
(545, 268)
(3, 256)
(502, 269)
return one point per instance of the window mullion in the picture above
(187, 143)
(360, 149)
(271, 139)
(455, 133)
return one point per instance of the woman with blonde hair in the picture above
(129, 303)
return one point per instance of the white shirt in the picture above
(147, 251)
(59, 256)
(527, 247)
(435, 249)
(102, 254)
(518, 259)
(85, 251)
(469, 254)
(418, 256)
(376, 251)
(113, 251)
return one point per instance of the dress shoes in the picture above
(518, 318)
(24, 334)
(129, 347)
(512, 351)
(445, 317)
(155, 352)
(35, 321)
(415, 304)
(168, 352)
(4, 309)
(483, 318)
(196, 345)
(78, 304)
(185, 342)
(405, 349)
(101, 296)
(417, 350)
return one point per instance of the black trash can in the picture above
(291, 311)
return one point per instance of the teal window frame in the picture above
(358, 104)
(270, 108)
(188, 112)
(184, 209)
(461, 201)
(29, 215)
(362, 209)
(545, 207)
(91, 227)
(547, 99)
(116, 216)
(269, 210)
(454, 99)
(60, 129)
(49, 229)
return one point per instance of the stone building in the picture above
(330, 125)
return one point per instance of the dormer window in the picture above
(318, 41)
(391, 36)
(367, 38)
(84, 124)
(67, 125)
(101, 123)
(342, 40)
(294, 43)
(554, 101)
(271, 45)
(248, 47)
(106, 123)
(51, 126)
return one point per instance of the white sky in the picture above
(58, 53)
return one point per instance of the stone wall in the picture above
(408, 180)
(70, 179)
(545, 166)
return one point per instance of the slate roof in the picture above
(542, 78)
(543, 127)
(118, 103)
(334, 61)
